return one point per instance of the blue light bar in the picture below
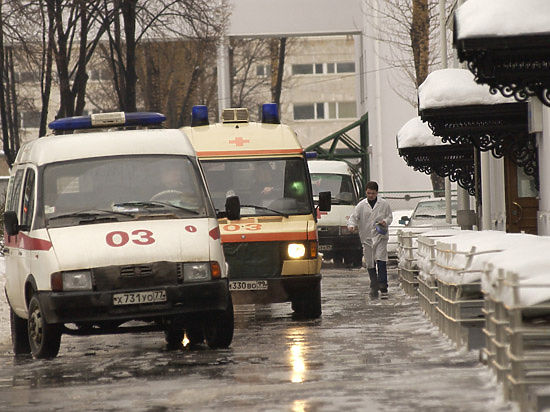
(107, 120)
(199, 116)
(311, 155)
(270, 113)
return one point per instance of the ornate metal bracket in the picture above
(500, 129)
(453, 161)
(517, 66)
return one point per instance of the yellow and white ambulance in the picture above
(98, 233)
(272, 249)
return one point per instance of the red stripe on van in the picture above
(267, 237)
(22, 241)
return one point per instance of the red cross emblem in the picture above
(239, 141)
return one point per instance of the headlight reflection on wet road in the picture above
(297, 354)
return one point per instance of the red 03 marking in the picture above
(119, 238)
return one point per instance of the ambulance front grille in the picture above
(136, 276)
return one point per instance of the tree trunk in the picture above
(420, 40)
(278, 48)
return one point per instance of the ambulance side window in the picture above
(15, 191)
(27, 207)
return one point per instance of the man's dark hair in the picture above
(372, 185)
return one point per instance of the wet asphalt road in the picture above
(362, 355)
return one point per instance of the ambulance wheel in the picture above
(337, 260)
(308, 304)
(19, 334)
(195, 334)
(218, 328)
(173, 334)
(44, 337)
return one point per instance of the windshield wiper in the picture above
(152, 204)
(91, 215)
(266, 208)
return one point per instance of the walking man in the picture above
(372, 217)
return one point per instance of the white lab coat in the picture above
(364, 218)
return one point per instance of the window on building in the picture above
(345, 67)
(347, 110)
(304, 111)
(319, 68)
(28, 77)
(319, 110)
(263, 70)
(30, 119)
(302, 69)
(330, 67)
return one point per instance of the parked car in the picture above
(430, 212)
(395, 226)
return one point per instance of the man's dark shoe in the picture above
(383, 295)
(373, 293)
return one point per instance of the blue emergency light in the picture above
(270, 113)
(199, 116)
(107, 120)
(311, 155)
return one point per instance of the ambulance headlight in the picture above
(74, 280)
(196, 271)
(296, 250)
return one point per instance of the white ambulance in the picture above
(271, 249)
(106, 227)
(336, 242)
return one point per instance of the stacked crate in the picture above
(427, 285)
(460, 303)
(528, 337)
(407, 268)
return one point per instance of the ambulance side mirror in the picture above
(324, 201)
(233, 208)
(11, 223)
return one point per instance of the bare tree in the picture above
(163, 22)
(409, 28)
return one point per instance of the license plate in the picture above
(248, 285)
(136, 298)
(325, 248)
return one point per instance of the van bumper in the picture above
(190, 299)
(280, 289)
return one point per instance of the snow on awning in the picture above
(464, 112)
(486, 18)
(455, 87)
(416, 133)
(427, 153)
(505, 43)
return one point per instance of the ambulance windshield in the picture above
(121, 188)
(264, 187)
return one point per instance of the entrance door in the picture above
(522, 201)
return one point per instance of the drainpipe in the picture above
(485, 192)
(444, 65)
(543, 143)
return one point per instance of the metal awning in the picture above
(500, 128)
(515, 65)
(455, 161)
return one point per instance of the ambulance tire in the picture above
(195, 334)
(218, 328)
(174, 334)
(19, 334)
(44, 337)
(308, 304)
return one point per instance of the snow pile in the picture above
(461, 258)
(426, 243)
(416, 133)
(455, 87)
(528, 259)
(490, 18)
